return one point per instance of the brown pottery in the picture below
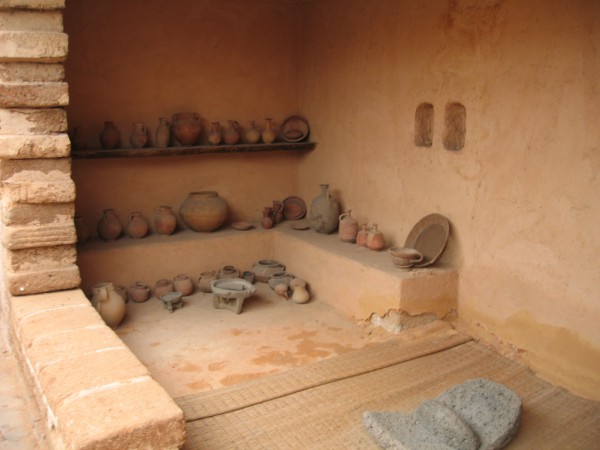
(253, 133)
(110, 137)
(361, 236)
(186, 128)
(268, 135)
(165, 221)
(184, 284)
(109, 226)
(324, 212)
(348, 227)
(267, 219)
(137, 227)
(162, 287)
(139, 135)
(139, 292)
(232, 135)
(162, 136)
(109, 304)
(214, 136)
(375, 240)
(205, 280)
(203, 211)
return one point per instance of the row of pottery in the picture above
(185, 130)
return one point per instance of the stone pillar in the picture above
(37, 194)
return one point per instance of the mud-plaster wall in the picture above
(521, 195)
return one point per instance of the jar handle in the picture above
(342, 216)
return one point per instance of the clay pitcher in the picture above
(184, 284)
(253, 133)
(110, 137)
(232, 135)
(214, 136)
(162, 136)
(109, 226)
(165, 221)
(186, 128)
(267, 218)
(109, 304)
(139, 135)
(348, 227)
(162, 286)
(375, 240)
(139, 292)
(361, 236)
(324, 212)
(268, 135)
(137, 227)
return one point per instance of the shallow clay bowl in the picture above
(405, 256)
(242, 226)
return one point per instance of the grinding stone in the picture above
(478, 414)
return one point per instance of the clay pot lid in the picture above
(429, 236)
(242, 226)
(295, 129)
(294, 208)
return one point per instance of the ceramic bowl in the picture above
(404, 256)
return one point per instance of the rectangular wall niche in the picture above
(455, 126)
(424, 125)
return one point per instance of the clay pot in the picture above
(186, 128)
(264, 268)
(214, 136)
(277, 211)
(184, 284)
(139, 292)
(162, 136)
(109, 304)
(252, 134)
(324, 212)
(300, 294)
(348, 227)
(110, 137)
(205, 280)
(137, 227)
(232, 135)
(109, 227)
(82, 231)
(203, 211)
(375, 240)
(139, 135)
(162, 286)
(267, 218)
(229, 272)
(268, 135)
(165, 221)
(361, 236)
(280, 278)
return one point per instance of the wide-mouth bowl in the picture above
(410, 255)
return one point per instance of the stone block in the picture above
(45, 165)
(34, 146)
(40, 214)
(33, 95)
(33, 121)
(25, 305)
(433, 291)
(30, 72)
(30, 187)
(31, 20)
(70, 376)
(36, 282)
(33, 4)
(137, 414)
(34, 259)
(42, 46)
(20, 237)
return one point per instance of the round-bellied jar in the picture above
(203, 211)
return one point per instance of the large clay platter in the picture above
(294, 208)
(429, 236)
(295, 129)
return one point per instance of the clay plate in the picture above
(294, 129)
(242, 226)
(294, 208)
(429, 236)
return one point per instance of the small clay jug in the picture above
(268, 135)
(137, 227)
(277, 211)
(375, 240)
(348, 227)
(229, 272)
(184, 284)
(82, 231)
(110, 137)
(109, 227)
(232, 135)
(165, 221)
(109, 304)
(139, 135)
(361, 236)
(205, 280)
(267, 218)
(324, 214)
(162, 286)
(139, 292)
(186, 128)
(215, 136)
(162, 136)
(300, 294)
(252, 134)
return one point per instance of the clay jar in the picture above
(253, 133)
(264, 268)
(324, 212)
(375, 240)
(186, 128)
(361, 236)
(214, 136)
(109, 226)
(162, 136)
(110, 137)
(348, 227)
(267, 218)
(277, 211)
(203, 211)
(205, 280)
(165, 221)
(184, 284)
(229, 272)
(268, 135)
(280, 278)
(109, 304)
(300, 294)
(139, 135)
(139, 292)
(162, 286)
(137, 227)
(232, 135)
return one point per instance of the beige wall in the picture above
(522, 195)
